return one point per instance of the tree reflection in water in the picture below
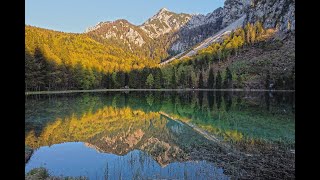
(172, 127)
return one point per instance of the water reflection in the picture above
(215, 128)
(83, 160)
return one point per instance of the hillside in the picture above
(251, 58)
(70, 49)
(228, 48)
(274, 57)
(51, 57)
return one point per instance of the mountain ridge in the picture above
(167, 33)
(115, 53)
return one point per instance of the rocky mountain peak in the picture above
(162, 10)
(97, 26)
(121, 30)
(164, 21)
(160, 15)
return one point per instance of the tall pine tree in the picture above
(150, 81)
(218, 80)
(173, 79)
(228, 79)
(182, 79)
(211, 79)
(157, 78)
(201, 86)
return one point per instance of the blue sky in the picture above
(77, 15)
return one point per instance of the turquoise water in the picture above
(160, 135)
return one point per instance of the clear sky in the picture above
(77, 15)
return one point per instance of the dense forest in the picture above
(65, 61)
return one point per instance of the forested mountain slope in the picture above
(51, 56)
(258, 52)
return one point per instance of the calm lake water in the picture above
(163, 135)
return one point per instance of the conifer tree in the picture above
(150, 81)
(267, 86)
(211, 79)
(218, 80)
(182, 81)
(228, 79)
(190, 84)
(200, 85)
(158, 78)
(173, 79)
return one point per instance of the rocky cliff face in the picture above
(233, 10)
(201, 27)
(164, 22)
(197, 29)
(273, 14)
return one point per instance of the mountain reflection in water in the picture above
(211, 134)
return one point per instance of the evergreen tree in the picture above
(121, 79)
(173, 79)
(200, 85)
(126, 79)
(143, 77)
(78, 74)
(150, 81)
(228, 79)
(39, 70)
(239, 81)
(106, 81)
(158, 78)
(66, 78)
(190, 84)
(182, 79)
(134, 79)
(211, 79)
(267, 86)
(29, 72)
(218, 80)
(219, 54)
(206, 59)
(115, 84)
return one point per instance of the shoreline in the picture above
(127, 90)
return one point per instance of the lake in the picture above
(163, 135)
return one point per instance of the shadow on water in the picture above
(236, 133)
